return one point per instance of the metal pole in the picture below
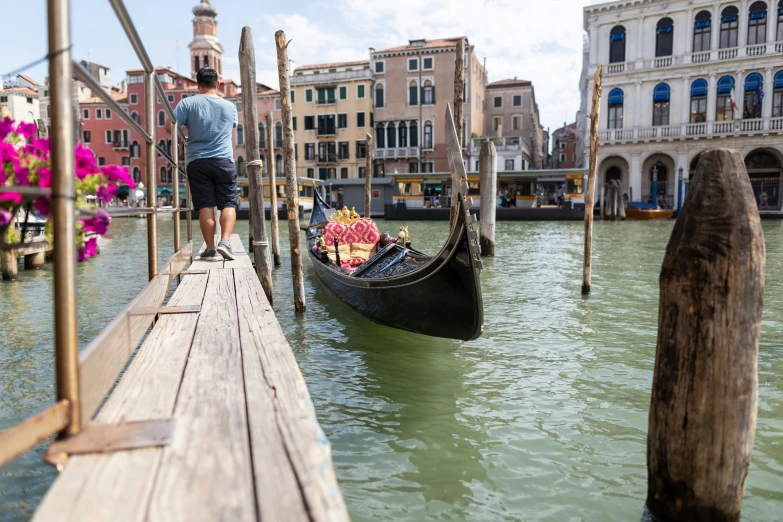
(175, 182)
(654, 186)
(63, 210)
(188, 200)
(679, 191)
(152, 192)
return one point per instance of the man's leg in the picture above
(206, 220)
(228, 218)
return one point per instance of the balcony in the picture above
(120, 144)
(396, 153)
(617, 68)
(326, 130)
(326, 159)
(502, 144)
(308, 79)
(665, 61)
(327, 101)
(746, 127)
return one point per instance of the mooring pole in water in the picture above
(603, 201)
(488, 179)
(705, 384)
(291, 186)
(591, 175)
(620, 202)
(459, 101)
(271, 170)
(368, 176)
(260, 246)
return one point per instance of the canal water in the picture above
(544, 418)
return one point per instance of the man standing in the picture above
(210, 160)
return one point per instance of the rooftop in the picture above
(29, 80)
(205, 9)
(425, 44)
(21, 90)
(332, 65)
(512, 82)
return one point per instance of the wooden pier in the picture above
(246, 444)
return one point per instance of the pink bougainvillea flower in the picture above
(11, 197)
(45, 177)
(22, 175)
(6, 127)
(118, 174)
(89, 249)
(85, 161)
(5, 217)
(41, 206)
(26, 130)
(107, 192)
(98, 224)
(39, 148)
(8, 154)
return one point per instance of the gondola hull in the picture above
(440, 298)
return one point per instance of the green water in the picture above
(542, 418)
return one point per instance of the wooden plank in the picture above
(25, 435)
(242, 256)
(117, 486)
(205, 264)
(206, 473)
(306, 446)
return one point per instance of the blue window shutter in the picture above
(618, 36)
(727, 19)
(758, 16)
(699, 88)
(778, 81)
(703, 24)
(661, 92)
(724, 85)
(616, 97)
(753, 82)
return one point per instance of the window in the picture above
(498, 102)
(261, 136)
(279, 135)
(413, 64)
(757, 23)
(361, 149)
(195, 63)
(86, 114)
(360, 120)
(87, 137)
(561, 144)
(279, 163)
(343, 92)
(428, 135)
(664, 37)
(108, 136)
(277, 104)
(391, 136)
(107, 114)
(379, 95)
(309, 123)
(342, 150)
(509, 164)
(101, 161)
(724, 110)
(206, 61)
(361, 172)
(380, 67)
(239, 106)
(136, 175)
(661, 95)
(344, 172)
(3, 99)
(779, 37)
(360, 92)
(161, 118)
(699, 101)
(163, 174)
(777, 95)
(616, 99)
(325, 96)
(380, 136)
(427, 63)
(240, 135)
(292, 95)
(562, 157)
(729, 27)
(617, 44)
(413, 93)
(517, 100)
(413, 167)
(135, 149)
(752, 106)
(98, 114)
(402, 135)
(135, 116)
(516, 122)
(342, 121)
(309, 95)
(309, 151)
(426, 166)
(413, 134)
(134, 99)
(702, 32)
(170, 97)
(310, 173)
(428, 94)
(326, 124)
(497, 123)
(293, 122)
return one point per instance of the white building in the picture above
(513, 154)
(669, 69)
(19, 100)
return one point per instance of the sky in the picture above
(536, 40)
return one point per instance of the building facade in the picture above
(413, 85)
(105, 133)
(19, 100)
(682, 77)
(267, 100)
(564, 147)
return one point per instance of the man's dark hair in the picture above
(207, 77)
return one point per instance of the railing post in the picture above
(188, 200)
(175, 183)
(152, 217)
(63, 210)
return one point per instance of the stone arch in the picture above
(765, 169)
(666, 169)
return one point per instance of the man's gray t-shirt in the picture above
(210, 121)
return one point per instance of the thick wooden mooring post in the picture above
(260, 246)
(459, 101)
(488, 179)
(591, 175)
(271, 170)
(291, 186)
(705, 385)
(368, 176)
(9, 262)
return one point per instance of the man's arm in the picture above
(181, 114)
(167, 126)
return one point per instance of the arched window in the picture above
(137, 175)
(757, 23)
(391, 135)
(240, 135)
(724, 108)
(427, 135)
(616, 99)
(135, 116)
(279, 135)
(402, 131)
(134, 150)
(162, 146)
(168, 147)
(380, 136)
(261, 136)
(195, 63)
(161, 118)
(206, 61)
(241, 172)
(661, 96)
(279, 163)
(414, 134)
(779, 36)
(664, 37)
(428, 93)
(751, 108)
(699, 100)
(617, 44)
(413, 93)
(702, 30)
(777, 95)
(379, 95)
(162, 175)
(729, 27)
(613, 174)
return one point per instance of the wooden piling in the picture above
(291, 187)
(9, 265)
(35, 260)
(702, 419)
(488, 179)
(271, 170)
(591, 175)
(620, 202)
(368, 176)
(260, 245)
(612, 196)
(459, 101)
(603, 201)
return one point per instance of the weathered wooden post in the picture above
(612, 195)
(705, 385)
(9, 264)
(603, 201)
(591, 175)
(247, 68)
(291, 186)
(34, 261)
(620, 202)
(459, 101)
(488, 179)
(271, 170)
(368, 176)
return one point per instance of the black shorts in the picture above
(213, 183)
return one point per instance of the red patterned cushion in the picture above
(363, 231)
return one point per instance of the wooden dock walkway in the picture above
(246, 443)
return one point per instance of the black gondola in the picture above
(403, 288)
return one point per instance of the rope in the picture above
(37, 62)
(260, 243)
(255, 163)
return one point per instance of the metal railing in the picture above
(84, 379)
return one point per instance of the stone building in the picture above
(564, 147)
(205, 48)
(19, 100)
(267, 100)
(682, 77)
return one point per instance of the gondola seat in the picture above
(359, 238)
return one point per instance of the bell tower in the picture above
(205, 49)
